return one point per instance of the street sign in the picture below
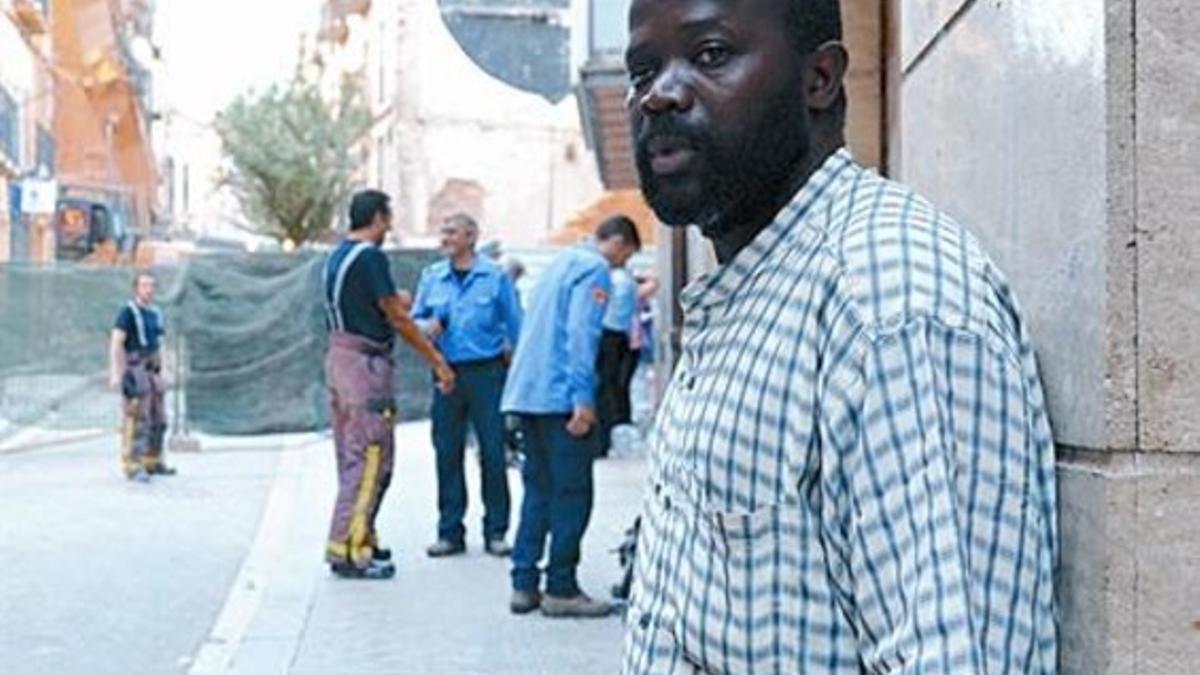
(38, 196)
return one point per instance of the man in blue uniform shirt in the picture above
(467, 305)
(552, 388)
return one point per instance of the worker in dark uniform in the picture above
(467, 305)
(135, 367)
(552, 389)
(364, 313)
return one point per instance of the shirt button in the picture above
(691, 382)
(644, 620)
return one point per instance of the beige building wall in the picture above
(450, 133)
(1064, 135)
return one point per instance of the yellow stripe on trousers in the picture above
(128, 433)
(359, 551)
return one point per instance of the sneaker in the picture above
(579, 606)
(524, 602)
(443, 548)
(372, 570)
(498, 548)
(140, 475)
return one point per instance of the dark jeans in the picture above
(475, 399)
(615, 365)
(558, 504)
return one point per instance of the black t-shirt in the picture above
(143, 330)
(357, 273)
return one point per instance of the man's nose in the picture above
(668, 92)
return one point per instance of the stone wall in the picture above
(1064, 135)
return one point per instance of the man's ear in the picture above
(826, 69)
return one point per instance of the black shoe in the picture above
(498, 548)
(372, 570)
(162, 470)
(524, 602)
(443, 548)
(381, 554)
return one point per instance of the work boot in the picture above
(162, 470)
(443, 548)
(578, 606)
(524, 602)
(373, 570)
(498, 548)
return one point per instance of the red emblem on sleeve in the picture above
(600, 295)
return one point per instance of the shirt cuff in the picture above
(583, 399)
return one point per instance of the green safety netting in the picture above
(248, 333)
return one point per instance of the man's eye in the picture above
(712, 55)
(640, 75)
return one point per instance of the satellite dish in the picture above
(523, 43)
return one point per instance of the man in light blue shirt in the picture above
(552, 388)
(467, 305)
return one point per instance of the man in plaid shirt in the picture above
(853, 471)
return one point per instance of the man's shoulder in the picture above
(438, 268)
(902, 259)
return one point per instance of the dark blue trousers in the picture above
(557, 505)
(475, 399)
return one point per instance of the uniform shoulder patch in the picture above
(600, 295)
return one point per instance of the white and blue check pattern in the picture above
(852, 470)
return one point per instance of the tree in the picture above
(291, 153)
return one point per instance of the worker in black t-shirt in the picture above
(364, 313)
(135, 367)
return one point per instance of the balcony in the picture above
(32, 16)
(603, 86)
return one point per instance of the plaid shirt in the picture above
(853, 470)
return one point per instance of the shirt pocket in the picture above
(741, 614)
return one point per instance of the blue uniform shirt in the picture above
(554, 368)
(143, 327)
(480, 315)
(623, 303)
(356, 278)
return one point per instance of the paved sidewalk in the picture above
(285, 614)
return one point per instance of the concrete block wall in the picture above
(1065, 135)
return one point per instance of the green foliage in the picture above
(291, 153)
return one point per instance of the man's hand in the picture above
(433, 328)
(406, 300)
(114, 381)
(582, 421)
(445, 378)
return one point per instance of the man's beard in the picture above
(731, 181)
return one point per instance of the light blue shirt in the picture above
(554, 368)
(623, 303)
(480, 315)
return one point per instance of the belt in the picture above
(477, 363)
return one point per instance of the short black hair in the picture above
(365, 205)
(620, 226)
(142, 274)
(812, 23)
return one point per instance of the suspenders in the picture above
(333, 294)
(140, 324)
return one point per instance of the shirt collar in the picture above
(714, 287)
(477, 268)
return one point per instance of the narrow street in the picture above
(218, 570)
